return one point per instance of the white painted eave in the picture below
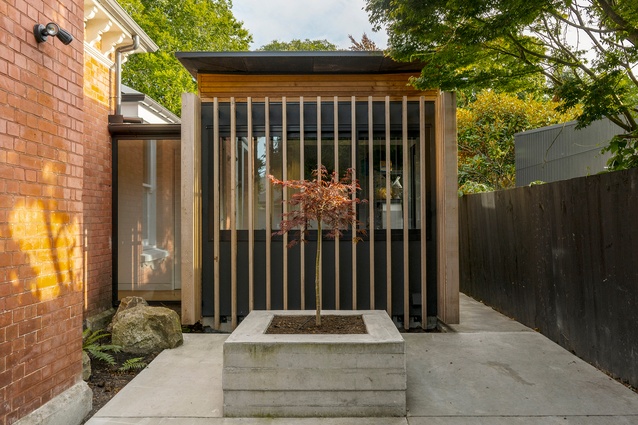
(107, 26)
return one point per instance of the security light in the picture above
(42, 32)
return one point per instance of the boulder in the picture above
(143, 329)
(125, 304)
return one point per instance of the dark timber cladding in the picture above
(287, 113)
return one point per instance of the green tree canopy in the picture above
(186, 25)
(299, 45)
(486, 129)
(586, 49)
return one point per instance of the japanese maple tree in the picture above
(326, 200)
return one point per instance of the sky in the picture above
(285, 20)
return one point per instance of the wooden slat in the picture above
(284, 167)
(336, 163)
(251, 207)
(404, 197)
(353, 162)
(388, 211)
(371, 194)
(318, 169)
(423, 193)
(302, 161)
(233, 212)
(268, 204)
(216, 259)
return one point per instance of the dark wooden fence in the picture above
(561, 258)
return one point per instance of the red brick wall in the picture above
(97, 187)
(42, 171)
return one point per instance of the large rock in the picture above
(143, 329)
(125, 304)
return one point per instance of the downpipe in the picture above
(118, 71)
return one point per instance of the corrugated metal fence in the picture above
(561, 258)
(561, 152)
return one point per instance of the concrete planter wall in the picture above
(314, 375)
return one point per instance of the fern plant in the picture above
(133, 364)
(92, 346)
(96, 350)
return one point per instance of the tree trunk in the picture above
(317, 281)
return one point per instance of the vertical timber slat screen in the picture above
(386, 141)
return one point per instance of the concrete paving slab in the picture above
(182, 382)
(506, 374)
(477, 317)
(487, 370)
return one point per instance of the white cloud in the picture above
(285, 20)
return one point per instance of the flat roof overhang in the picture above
(339, 62)
(135, 130)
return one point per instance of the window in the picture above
(148, 226)
(318, 142)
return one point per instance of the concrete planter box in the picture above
(314, 375)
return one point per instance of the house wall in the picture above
(42, 166)
(96, 195)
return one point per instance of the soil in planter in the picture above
(306, 325)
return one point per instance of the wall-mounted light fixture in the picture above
(42, 32)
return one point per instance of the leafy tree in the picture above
(586, 49)
(486, 129)
(324, 200)
(366, 44)
(187, 25)
(299, 45)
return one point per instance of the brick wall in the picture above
(42, 172)
(97, 186)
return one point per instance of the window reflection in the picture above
(148, 226)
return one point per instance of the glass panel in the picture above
(398, 172)
(260, 183)
(276, 160)
(363, 172)
(148, 218)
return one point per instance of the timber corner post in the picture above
(447, 209)
(191, 207)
